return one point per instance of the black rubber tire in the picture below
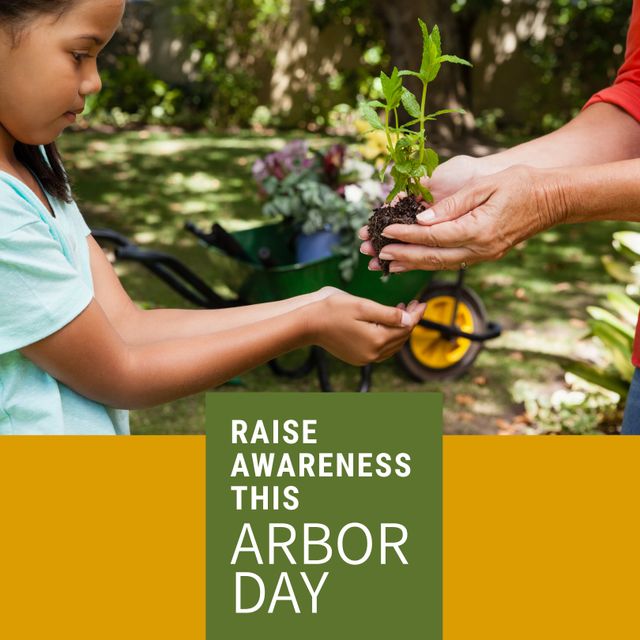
(418, 370)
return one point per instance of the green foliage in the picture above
(584, 46)
(132, 94)
(406, 149)
(222, 44)
(566, 411)
(307, 202)
(615, 327)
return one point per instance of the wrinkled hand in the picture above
(480, 222)
(361, 331)
(448, 178)
(452, 175)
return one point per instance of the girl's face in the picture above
(46, 76)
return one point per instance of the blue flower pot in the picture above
(315, 246)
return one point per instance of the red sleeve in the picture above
(625, 92)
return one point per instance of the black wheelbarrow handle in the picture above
(449, 331)
(168, 268)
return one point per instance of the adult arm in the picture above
(486, 218)
(606, 130)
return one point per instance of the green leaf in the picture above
(395, 191)
(411, 104)
(597, 313)
(442, 111)
(455, 60)
(409, 73)
(410, 169)
(623, 305)
(424, 192)
(408, 140)
(376, 104)
(431, 161)
(370, 115)
(383, 171)
(432, 72)
(425, 33)
(629, 240)
(435, 39)
(617, 344)
(618, 270)
(598, 376)
(429, 55)
(400, 183)
(391, 88)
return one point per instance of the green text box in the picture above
(368, 600)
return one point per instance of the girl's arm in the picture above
(137, 326)
(91, 357)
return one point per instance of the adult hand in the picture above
(448, 178)
(361, 331)
(480, 222)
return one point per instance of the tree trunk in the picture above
(404, 43)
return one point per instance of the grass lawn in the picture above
(147, 184)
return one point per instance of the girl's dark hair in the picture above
(14, 17)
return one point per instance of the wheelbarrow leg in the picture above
(323, 373)
(323, 370)
(365, 378)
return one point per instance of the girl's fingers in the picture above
(397, 337)
(363, 233)
(390, 317)
(412, 306)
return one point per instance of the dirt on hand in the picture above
(402, 212)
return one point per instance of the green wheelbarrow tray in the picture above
(254, 282)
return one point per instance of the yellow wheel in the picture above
(430, 355)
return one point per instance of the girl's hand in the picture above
(325, 292)
(361, 331)
(481, 222)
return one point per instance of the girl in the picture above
(72, 344)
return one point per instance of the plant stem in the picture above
(386, 130)
(422, 119)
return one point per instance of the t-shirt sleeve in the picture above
(41, 291)
(79, 220)
(625, 91)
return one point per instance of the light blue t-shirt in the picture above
(45, 282)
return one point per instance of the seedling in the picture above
(407, 152)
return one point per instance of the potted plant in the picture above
(407, 152)
(325, 195)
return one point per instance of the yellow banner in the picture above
(540, 538)
(103, 538)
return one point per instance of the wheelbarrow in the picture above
(262, 268)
